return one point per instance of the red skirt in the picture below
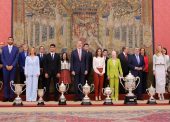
(65, 76)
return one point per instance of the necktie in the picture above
(79, 53)
(10, 49)
(138, 60)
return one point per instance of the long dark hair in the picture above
(165, 50)
(67, 59)
(96, 54)
(144, 51)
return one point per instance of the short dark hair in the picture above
(123, 48)
(10, 37)
(86, 44)
(105, 50)
(52, 45)
(96, 54)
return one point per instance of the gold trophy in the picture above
(130, 85)
(41, 94)
(18, 90)
(86, 89)
(62, 88)
(151, 92)
(107, 92)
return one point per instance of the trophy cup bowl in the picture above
(151, 92)
(18, 90)
(86, 89)
(130, 85)
(62, 88)
(1, 85)
(41, 94)
(107, 92)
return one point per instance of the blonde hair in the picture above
(31, 49)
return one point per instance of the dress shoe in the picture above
(5, 100)
(11, 100)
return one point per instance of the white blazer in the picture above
(32, 66)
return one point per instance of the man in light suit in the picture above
(79, 68)
(9, 60)
(21, 62)
(136, 65)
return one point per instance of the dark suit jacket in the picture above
(10, 58)
(90, 60)
(77, 65)
(133, 63)
(42, 60)
(21, 60)
(124, 63)
(52, 66)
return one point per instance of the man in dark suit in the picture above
(136, 65)
(21, 62)
(79, 68)
(42, 55)
(90, 61)
(106, 57)
(52, 71)
(9, 59)
(124, 57)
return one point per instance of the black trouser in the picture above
(55, 81)
(106, 81)
(42, 81)
(139, 88)
(22, 77)
(79, 79)
(145, 76)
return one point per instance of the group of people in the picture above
(42, 68)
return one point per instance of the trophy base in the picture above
(62, 102)
(40, 103)
(17, 104)
(86, 103)
(130, 100)
(108, 102)
(151, 102)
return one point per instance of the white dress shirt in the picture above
(98, 62)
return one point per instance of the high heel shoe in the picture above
(96, 98)
(100, 98)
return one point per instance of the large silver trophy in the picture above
(18, 90)
(62, 88)
(107, 92)
(86, 89)
(1, 85)
(130, 85)
(151, 92)
(41, 94)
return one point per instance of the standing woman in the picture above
(114, 70)
(166, 56)
(32, 72)
(159, 70)
(145, 69)
(65, 69)
(99, 70)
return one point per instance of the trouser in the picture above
(98, 83)
(114, 85)
(31, 88)
(7, 77)
(42, 81)
(145, 76)
(79, 79)
(22, 77)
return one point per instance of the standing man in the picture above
(90, 61)
(52, 71)
(124, 57)
(9, 59)
(79, 68)
(21, 62)
(41, 55)
(136, 64)
(106, 57)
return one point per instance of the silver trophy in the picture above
(18, 90)
(107, 92)
(86, 89)
(130, 85)
(151, 92)
(1, 85)
(41, 94)
(62, 88)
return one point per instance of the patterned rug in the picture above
(90, 116)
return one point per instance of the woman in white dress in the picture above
(159, 70)
(32, 72)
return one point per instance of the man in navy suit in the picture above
(79, 68)
(136, 65)
(9, 59)
(21, 62)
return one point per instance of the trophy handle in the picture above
(137, 78)
(44, 89)
(11, 85)
(1, 84)
(122, 78)
(92, 87)
(67, 87)
(24, 88)
(79, 87)
(57, 86)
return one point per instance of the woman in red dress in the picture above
(65, 69)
